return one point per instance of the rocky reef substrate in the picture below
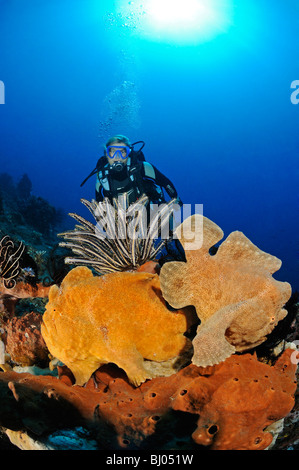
(249, 401)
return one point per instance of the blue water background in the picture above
(216, 117)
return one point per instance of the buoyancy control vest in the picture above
(134, 180)
(138, 178)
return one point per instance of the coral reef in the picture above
(24, 342)
(236, 298)
(24, 257)
(21, 335)
(24, 187)
(227, 406)
(109, 329)
(38, 213)
(132, 348)
(9, 297)
(26, 216)
(120, 240)
(55, 266)
(24, 290)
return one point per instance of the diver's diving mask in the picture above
(118, 151)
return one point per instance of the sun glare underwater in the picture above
(179, 22)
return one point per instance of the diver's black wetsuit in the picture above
(135, 179)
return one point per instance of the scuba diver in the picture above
(124, 171)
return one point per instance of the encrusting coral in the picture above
(24, 342)
(236, 298)
(21, 335)
(120, 318)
